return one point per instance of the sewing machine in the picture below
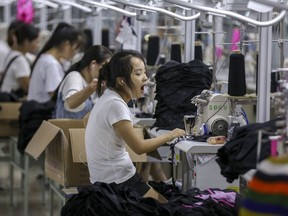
(214, 114)
(213, 111)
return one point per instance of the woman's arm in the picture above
(75, 100)
(125, 130)
(24, 83)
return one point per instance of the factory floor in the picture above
(38, 204)
(38, 195)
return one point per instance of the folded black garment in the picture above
(239, 155)
(177, 84)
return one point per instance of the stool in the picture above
(22, 162)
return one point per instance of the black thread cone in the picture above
(237, 80)
(105, 37)
(175, 53)
(153, 49)
(198, 51)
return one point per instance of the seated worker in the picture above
(47, 71)
(46, 75)
(76, 91)
(17, 68)
(7, 43)
(110, 126)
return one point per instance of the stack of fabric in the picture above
(267, 192)
(109, 200)
(239, 154)
(176, 84)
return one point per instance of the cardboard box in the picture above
(57, 138)
(65, 157)
(9, 115)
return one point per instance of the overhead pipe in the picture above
(5, 2)
(44, 2)
(239, 17)
(189, 23)
(97, 29)
(103, 5)
(47, 3)
(159, 10)
(273, 4)
(73, 4)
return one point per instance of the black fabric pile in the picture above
(103, 199)
(31, 116)
(176, 84)
(239, 154)
(167, 190)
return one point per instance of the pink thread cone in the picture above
(235, 39)
(219, 52)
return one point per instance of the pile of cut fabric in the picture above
(105, 199)
(176, 84)
(239, 154)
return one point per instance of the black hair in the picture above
(119, 66)
(26, 32)
(88, 39)
(97, 52)
(63, 32)
(14, 25)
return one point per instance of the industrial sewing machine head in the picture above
(212, 116)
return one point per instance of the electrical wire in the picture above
(245, 115)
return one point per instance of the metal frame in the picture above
(97, 36)
(22, 163)
(189, 24)
(73, 4)
(264, 68)
(159, 10)
(110, 7)
(234, 15)
(47, 3)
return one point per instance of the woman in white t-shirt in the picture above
(11, 42)
(47, 71)
(17, 75)
(76, 94)
(110, 126)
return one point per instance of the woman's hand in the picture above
(77, 99)
(176, 133)
(93, 84)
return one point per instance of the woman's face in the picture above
(32, 46)
(138, 77)
(69, 50)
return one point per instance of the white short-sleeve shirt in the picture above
(20, 67)
(72, 84)
(108, 160)
(4, 50)
(46, 76)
